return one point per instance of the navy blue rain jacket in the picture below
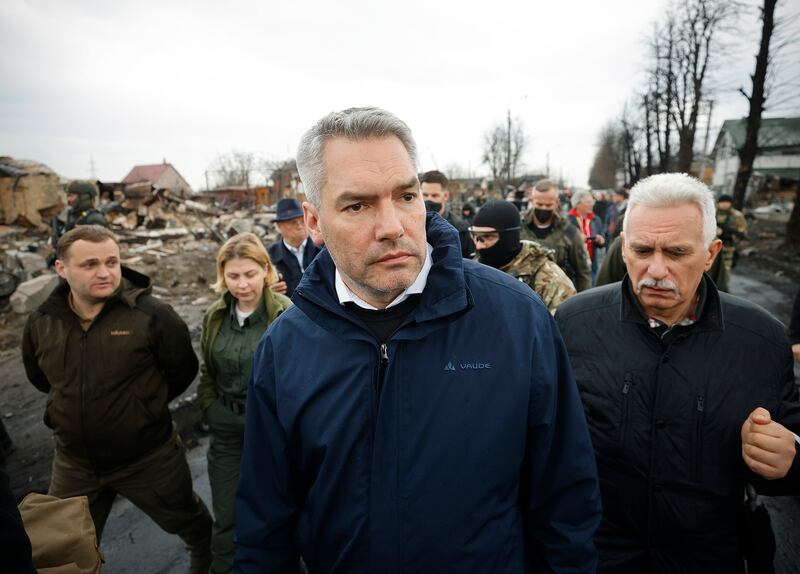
(464, 450)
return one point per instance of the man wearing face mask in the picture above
(495, 231)
(542, 224)
(435, 193)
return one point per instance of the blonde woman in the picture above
(232, 328)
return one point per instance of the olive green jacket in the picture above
(569, 246)
(535, 266)
(207, 392)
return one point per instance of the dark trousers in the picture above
(224, 460)
(160, 484)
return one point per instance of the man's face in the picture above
(434, 192)
(724, 205)
(293, 231)
(484, 237)
(617, 198)
(72, 198)
(544, 200)
(91, 269)
(666, 256)
(372, 216)
(585, 205)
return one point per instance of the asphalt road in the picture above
(133, 544)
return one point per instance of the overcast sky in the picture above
(124, 83)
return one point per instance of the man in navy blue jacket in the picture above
(293, 251)
(414, 412)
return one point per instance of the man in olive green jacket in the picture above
(542, 224)
(111, 357)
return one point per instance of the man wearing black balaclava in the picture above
(435, 193)
(496, 232)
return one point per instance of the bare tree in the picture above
(661, 90)
(607, 160)
(696, 47)
(494, 154)
(631, 145)
(503, 146)
(234, 169)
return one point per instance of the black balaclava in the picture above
(500, 215)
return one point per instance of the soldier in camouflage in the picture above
(543, 225)
(731, 229)
(496, 232)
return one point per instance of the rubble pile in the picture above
(30, 193)
(153, 227)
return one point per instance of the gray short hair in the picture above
(353, 124)
(670, 189)
(578, 196)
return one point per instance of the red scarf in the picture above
(586, 229)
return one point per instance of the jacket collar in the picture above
(445, 294)
(709, 309)
(280, 251)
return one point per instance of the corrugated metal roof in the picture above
(773, 133)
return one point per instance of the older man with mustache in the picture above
(689, 392)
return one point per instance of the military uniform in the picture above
(731, 229)
(570, 251)
(536, 267)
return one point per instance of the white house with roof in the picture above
(778, 151)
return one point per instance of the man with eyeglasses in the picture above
(495, 231)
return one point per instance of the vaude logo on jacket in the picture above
(450, 366)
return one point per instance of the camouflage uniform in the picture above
(535, 266)
(731, 229)
(570, 249)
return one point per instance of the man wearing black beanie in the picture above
(495, 231)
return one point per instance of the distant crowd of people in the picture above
(390, 387)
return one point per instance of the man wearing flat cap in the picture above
(293, 251)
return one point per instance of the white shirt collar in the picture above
(298, 252)
(347, 296)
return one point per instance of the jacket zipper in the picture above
(626, 409)
(698, 438)
(384, 361)
(83, 389)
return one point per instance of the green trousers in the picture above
(224, 459)
(160, 484)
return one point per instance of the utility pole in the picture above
(508, 150)
(705, 142)
(92, 168)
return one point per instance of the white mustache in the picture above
(665, 284)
